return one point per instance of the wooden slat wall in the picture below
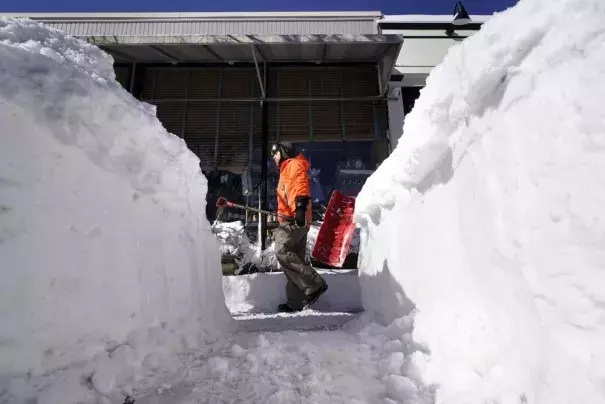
(326, 115)
(359, 115)
(289, 120)
(199, 123)
(323, 120)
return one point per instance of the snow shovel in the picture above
(336, 231)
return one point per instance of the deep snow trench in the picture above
(482, 244)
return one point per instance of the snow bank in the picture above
(104, 246)
(487, 221)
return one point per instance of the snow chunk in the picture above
(394, 362)
(487, 222)
(103, 236)
(401, 388)
(233, 240)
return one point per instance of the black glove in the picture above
(300, 215)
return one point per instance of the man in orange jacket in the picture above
(304, 284)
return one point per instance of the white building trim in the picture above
(430, 18)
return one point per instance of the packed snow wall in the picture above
(103, 236)
(487, 223)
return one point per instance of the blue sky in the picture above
(386, 6)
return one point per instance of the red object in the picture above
(223, 203)
(336, 231)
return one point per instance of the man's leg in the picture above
(295, 298)
(301, 251)
(290, 245)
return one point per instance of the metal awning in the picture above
(258, 49)
(241, 48)
(276, 37)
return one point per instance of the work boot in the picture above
(313, 297)
(284, 308)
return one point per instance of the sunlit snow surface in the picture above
(488, 218)
(104, 246)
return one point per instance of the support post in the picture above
(375, 120)
(250, 143)
(262, 224)
(138, 79)
(218, 120)
(133, 68)
(184, 116)
(154, 81)
(343, 129)
(380, 89)
(260, 80)
(251, 130)
(310, 110)
(277, 106)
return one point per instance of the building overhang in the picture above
(245, 48)
(210, 38)
(318, 49)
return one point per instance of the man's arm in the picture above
(300, 192)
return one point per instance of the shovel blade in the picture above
(336, 231)
(223, 203)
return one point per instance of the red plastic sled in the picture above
(336, 231)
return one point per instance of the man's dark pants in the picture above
(290, 251)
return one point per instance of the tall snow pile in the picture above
(487, 223)
(104, 247)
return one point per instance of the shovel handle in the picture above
(224, 203)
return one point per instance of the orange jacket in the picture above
(293, 182)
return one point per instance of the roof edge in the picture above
(427, 19)
(199, 15)
(241, 40)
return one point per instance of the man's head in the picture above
(281, 151)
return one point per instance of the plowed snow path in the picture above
(299, 367)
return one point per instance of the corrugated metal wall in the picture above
(217, 27)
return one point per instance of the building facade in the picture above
(426, 41)
(338, 85)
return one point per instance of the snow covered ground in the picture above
(363, 363)
(104, 246)
(487, 225)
